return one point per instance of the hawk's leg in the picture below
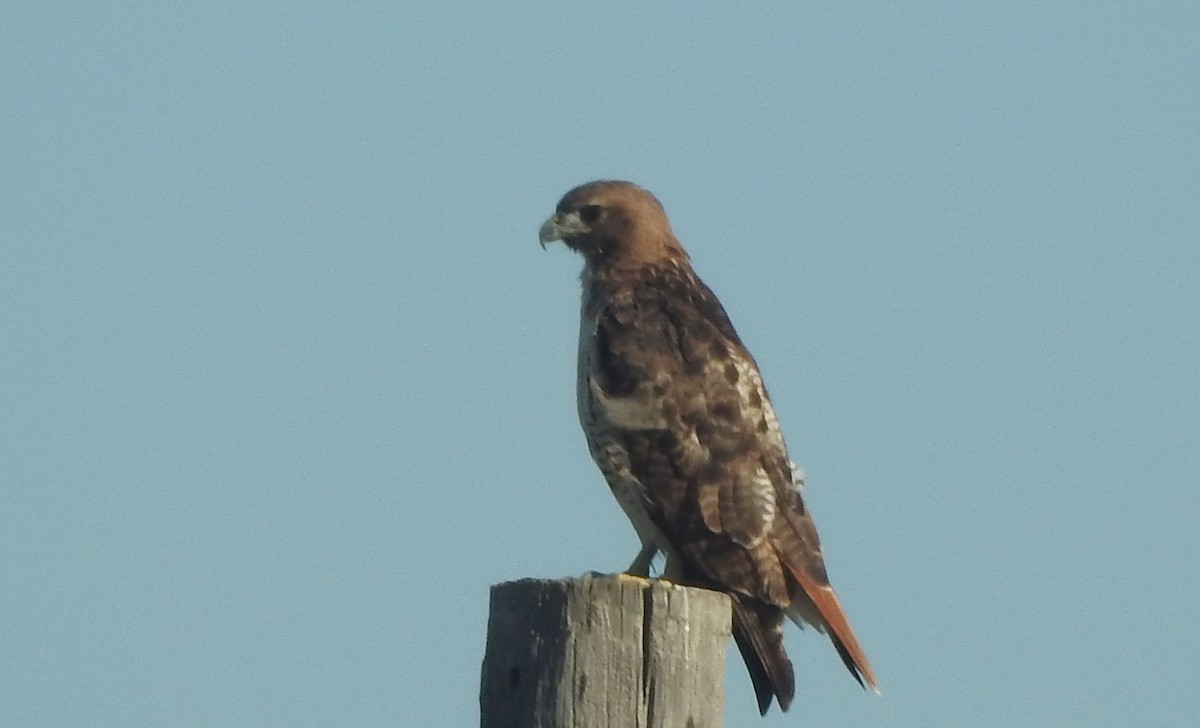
(641, 563)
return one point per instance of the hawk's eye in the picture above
(590, 213)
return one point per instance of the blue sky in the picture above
(286, 382)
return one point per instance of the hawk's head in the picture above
(612, 223)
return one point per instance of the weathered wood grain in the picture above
(604, 651)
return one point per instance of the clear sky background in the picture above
(286, 382)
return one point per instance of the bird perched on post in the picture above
(678, 421)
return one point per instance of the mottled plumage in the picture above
(678, 420)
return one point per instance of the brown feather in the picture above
(709, 500)
(678, 420)
(758, 631)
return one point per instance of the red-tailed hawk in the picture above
(678, 420)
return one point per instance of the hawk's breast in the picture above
(601, 432)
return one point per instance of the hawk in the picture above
(678, 421)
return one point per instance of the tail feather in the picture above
(830, 610)
(848, 661)
(758, 631)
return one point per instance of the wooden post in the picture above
(604, 651)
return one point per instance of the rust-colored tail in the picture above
(758, 631)
(827, 606)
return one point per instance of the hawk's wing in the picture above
(685, 401)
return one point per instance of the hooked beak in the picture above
(560, 226)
